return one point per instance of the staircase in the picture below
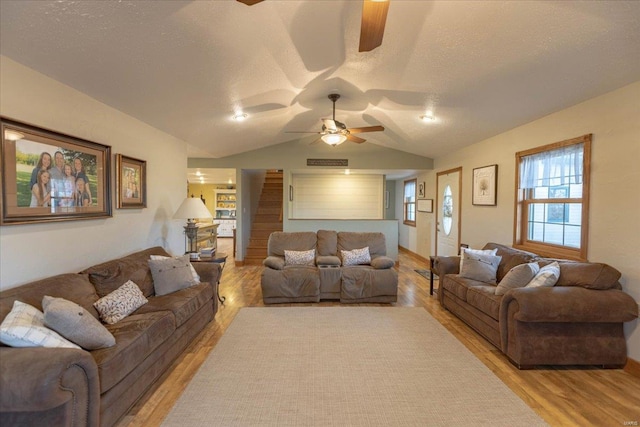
(267, 220)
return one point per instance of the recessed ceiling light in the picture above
(429, 118)
(240, 117)
(198, 173)
(347, 172)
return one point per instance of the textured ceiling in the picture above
(185, 67)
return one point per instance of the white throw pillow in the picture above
(356, 256)
(517, 277)
(193, 270)
(24, 327)
(547, 276)
(171, 274)
(120, 303)
(475, 251)
(480, 267)
(300, 257)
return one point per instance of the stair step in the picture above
(260, 234)
(269, 211)
(271, 196)
(258, 243)
(266, 217)
(256, 253)
(273, 226)
(270, 204)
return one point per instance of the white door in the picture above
(448, 212)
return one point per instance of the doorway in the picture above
(448, 211)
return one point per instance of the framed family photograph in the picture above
(49, 176)
(131, 182)
(422, 190)
(485, 180)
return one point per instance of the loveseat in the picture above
(76, 387)
(326, 275)
(579, 321)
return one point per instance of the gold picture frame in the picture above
(131, 182)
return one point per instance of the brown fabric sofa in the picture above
(70, 387)
(328, 278)
(579, 321)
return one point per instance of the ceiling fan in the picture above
(374, 17)
(335, 132)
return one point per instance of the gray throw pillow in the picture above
(75, 324)
(171, 274)
(480, 267)
(517, 277)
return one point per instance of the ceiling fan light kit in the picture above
(240, 117)
(334, 139)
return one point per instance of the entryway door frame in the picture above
(457, 206)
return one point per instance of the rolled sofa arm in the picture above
(48, 386)
(569, 304)
(446, 265)
(209, 272)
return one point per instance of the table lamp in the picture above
(190, 209)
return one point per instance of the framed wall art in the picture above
(49, 176)
(425, 205)
(485, 181)
(131, 182)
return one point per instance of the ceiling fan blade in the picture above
(249, 2)
(355, 139)
(330, 124)
(374, 17)
(367, 129)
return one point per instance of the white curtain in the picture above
(555, 167)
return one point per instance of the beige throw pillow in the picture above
(479, 266)
(517, 277)
(120, 303)
(171, 274)
(475, 251)
(300, 257)
(547, 276)
(24, 327)
(76, 324)
(194, 273)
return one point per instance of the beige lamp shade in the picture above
(192, 208)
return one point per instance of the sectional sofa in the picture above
(326, 274)
(76, 387)
(579, 321)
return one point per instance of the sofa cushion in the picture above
(328, 260)
(510, 258)
(110, 275)
(292, 241)
(547, 276)
(327, 243)
(459, 285)
(300, 257)
(518, 277)
(485, 299)
(356, 256)
(479, 266)
(171, 274)
(382, 262)
(137, 336)
(348, 240)
(590, 275)
(274, 262)
(71, 286)
(75, 324)
(361, 282)
(296, 281)
(183, 303)
(120, 303)
(24, 327)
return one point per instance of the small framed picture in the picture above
(131, 182)
(425, 205)
(421, 190)
(485, 180)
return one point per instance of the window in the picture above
(410, 202)
(552, 203)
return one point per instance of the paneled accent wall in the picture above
(339, 196)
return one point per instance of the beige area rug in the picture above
(344, 366)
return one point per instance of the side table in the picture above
(219, 258)
(431, 261)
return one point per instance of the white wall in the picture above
(614, 225)
(33, 251)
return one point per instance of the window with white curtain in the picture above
(553, 198)
(409, 202)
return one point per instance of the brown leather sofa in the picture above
(327, 277)
(71, 387)
(579, 321)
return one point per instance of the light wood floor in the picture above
(561, 396)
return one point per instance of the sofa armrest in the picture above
(327, 260)
(382, 262)
(569, 304)
(209, 272)
(274, 262)
(443, 265)
(37, 384)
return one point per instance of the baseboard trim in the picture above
(413, 255)
(632, 367)
(239, 263)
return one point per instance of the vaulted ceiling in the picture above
(186, 67)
